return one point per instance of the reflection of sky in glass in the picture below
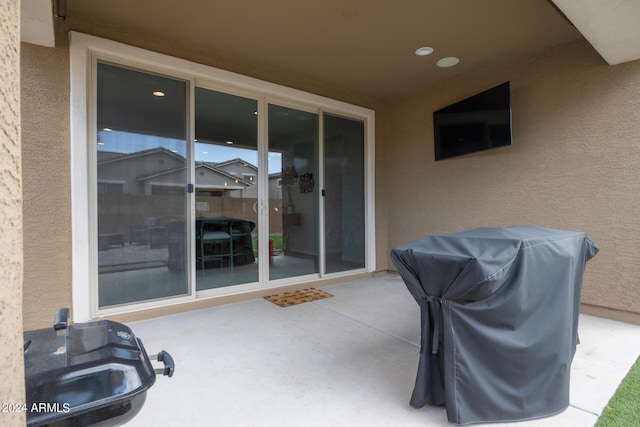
(127, 142)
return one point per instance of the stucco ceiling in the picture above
(365, 46)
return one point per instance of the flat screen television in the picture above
(478, 123)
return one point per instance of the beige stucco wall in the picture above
(46, 181)
(12, 388)
(573, 165)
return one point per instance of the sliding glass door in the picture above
(142, 209)
(226, 189)
(344, 195)
(177, 215)
(293, 192)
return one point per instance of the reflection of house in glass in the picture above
(161, 171)
(233, 178)
(149, 184)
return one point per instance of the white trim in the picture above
(263, 192)
(370, 196)
(321, 202)
(191, 197)
(84, 49)
(81, 258)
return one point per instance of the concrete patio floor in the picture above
(349, 360)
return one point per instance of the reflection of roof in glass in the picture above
(229, 162)
(213, 168)
(108, 157)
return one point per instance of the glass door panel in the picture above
(226, 189)
(344, 201)
(142, 203)
(293, 192)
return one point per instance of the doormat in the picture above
(286, 299)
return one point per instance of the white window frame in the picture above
(84, 51)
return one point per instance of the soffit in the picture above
(36, 22)
(612, 27)
(365, 46)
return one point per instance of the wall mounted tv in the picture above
(480, 122)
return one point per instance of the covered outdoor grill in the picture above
(87, 374)
(499, 318)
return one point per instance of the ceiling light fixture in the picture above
(447, 62)
(158, 93)
(424, 51)
(230, 142)
(107, 129)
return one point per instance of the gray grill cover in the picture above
(499, 319)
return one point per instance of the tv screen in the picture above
(474, 124)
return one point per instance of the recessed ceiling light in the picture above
(158, 93)
(230, 142)
(449, 61)
(424, 51)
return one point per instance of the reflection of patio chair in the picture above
(242, 245)
(141, 233)
(215, 244)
